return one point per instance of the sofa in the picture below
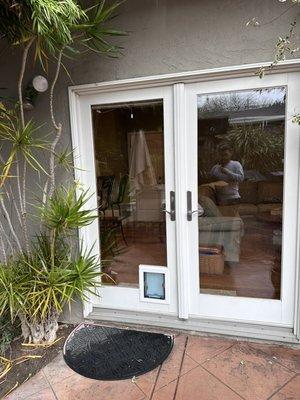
(223, 224)
(256, 197)
(218, 228)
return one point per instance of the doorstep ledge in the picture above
(171, 321)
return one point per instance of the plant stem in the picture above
(13, 201)
(4, 234)
(44, 200)
(57, 127)
(24, 213)
(58, 65)
(21, 76)
(19, 184)
(7, 216)
(3, 249)
(20, 84)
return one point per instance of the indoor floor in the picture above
(255, 275)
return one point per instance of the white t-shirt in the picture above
(234, 176)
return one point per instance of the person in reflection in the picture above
(231, 172)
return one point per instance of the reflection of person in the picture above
(230, 172)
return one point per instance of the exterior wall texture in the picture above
(165, 36)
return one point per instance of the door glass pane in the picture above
(129, 158)
(240, 192)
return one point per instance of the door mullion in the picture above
(181, 185)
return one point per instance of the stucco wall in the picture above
(168, 36)
(165, 36)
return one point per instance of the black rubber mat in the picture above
(105, 353)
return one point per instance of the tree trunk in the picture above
(40, 331)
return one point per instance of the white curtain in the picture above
(141, 171)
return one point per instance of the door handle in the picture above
(189, 214)
(172, 207)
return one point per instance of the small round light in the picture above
(40, 83)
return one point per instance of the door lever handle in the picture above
(189, 214)
(172, 207)
(171, 213)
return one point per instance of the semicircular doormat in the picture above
(107, 353)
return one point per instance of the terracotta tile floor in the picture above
(199, 368)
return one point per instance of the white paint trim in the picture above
(187, 77)
(297, 272)
(75, 115)
(297, 278)
(193, 324)
(181, 187)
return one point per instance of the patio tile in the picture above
(188, 364)
(78, 388)
(248, 373)
(37, 383)
(201, 349)
(287, 356)
(45, 394)
(199, 384)
(166, 392)
(169, 370)
(171, 367)
(57, 370)
(146, 382)
(289, 392)
(229, 370)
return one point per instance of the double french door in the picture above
(196, 189)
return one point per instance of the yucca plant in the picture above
(64, 211)
(35, 290)
(39, 276)
(20, 141)
(35, 287)
(56, 29)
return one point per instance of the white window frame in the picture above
(76, 93)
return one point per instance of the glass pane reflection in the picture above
(129, 157)
(240, 189)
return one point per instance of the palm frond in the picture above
(65, 212)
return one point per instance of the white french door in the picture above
(127, 136)
(227, 150)
(250, 222)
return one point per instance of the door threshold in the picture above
(146, 320)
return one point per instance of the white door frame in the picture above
(268, 311)
(125, 297)
(76, 94)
